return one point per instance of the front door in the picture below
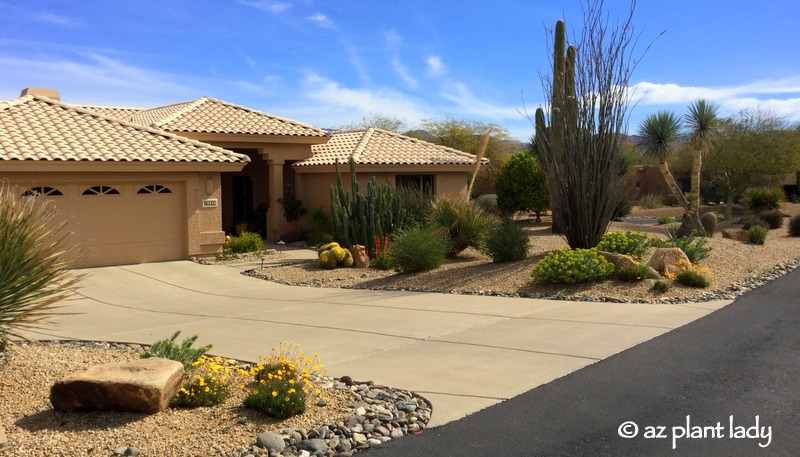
(242, 199)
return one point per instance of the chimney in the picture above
(52, 94)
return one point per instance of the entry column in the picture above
(275, 213)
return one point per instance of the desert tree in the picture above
(702, 123)
(379, 121)
(658, 135)
(580, 140)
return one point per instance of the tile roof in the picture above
(380, 147)
(110, 111)
(37, 128)
(208, 115)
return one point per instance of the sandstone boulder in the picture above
(668, 260)
(622, 261)
(140, 386)
(735, 234)
(360, 256)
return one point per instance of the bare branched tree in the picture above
(580, 142)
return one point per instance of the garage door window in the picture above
(42, 190)
(154, 189)
(101, 190)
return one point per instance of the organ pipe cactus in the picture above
(360, 218)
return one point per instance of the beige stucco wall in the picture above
(198, 227)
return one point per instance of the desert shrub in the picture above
(623, 208)
(183, 353)
(416, 205)
(246, 242)
(709, 223)
(319, 229)
(209, 383)
(751, 220)
(461, 221)
(794, 226)
(634, 244)
(760, 199)
(418, 249)
(662, 220)
(633, 273)
(660, 287)
(694, 247)
(651, 201)
(692, 278)
(757, 234)
(488, 203)
(34, 263)
(284, 381)
(506, 241)
(572, 266)
(773, 218)
(522, 186)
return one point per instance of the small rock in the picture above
(322, 403)
(313, 445)
(120, 450)
(346, 380)
(271, 441)
(359, 438)
(374, 442)
(241, 420)
(132, 452)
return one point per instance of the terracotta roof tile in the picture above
(38, 128)
(110, 111)
(208, 115)
(380, 147)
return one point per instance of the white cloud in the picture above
(393, 40)
(403, 73)
(323, 21)
(56, 19)
(470, 105)
(268, 6)
(435, 66)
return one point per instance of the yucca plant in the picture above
(461, 221)
(34, 263)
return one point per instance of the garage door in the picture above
(122, 223)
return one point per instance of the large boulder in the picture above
(622, 261)
(669, 260)
(735, 234)
(360, 256)
(140, 386)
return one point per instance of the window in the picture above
(100, 190)
(423, 183)
(154, 189)
(42, 190)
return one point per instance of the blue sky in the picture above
(330, 63)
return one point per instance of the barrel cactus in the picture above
(332, 255)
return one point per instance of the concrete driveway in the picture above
(464, 353)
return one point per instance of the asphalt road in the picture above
(725, 371)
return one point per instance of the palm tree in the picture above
(702, 123)
(658, 133)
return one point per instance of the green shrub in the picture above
(757, 234)
(651, 201)
(709, 223)
(246, 242)
(695, 248)
(631, 273)
(692, 278)
(319, 229)
(418, 249)
(751, 220)
(794, 226)
(210, 382)
(34, 263)
(522, 186)
(183, 353)
(572, 266)
(773, 219)
(507, 242)
(488, 203)
(760, 199)
(460, 221)
(634, 244)
(660, 287)
(662, 220)
(623, 208)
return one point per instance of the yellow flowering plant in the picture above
(209, 382)
(284, 380)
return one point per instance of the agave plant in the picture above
(34, 263)
(461, 221)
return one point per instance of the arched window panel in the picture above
(42, 190)
(100, 190)
(154, 189)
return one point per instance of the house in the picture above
(144, 185)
